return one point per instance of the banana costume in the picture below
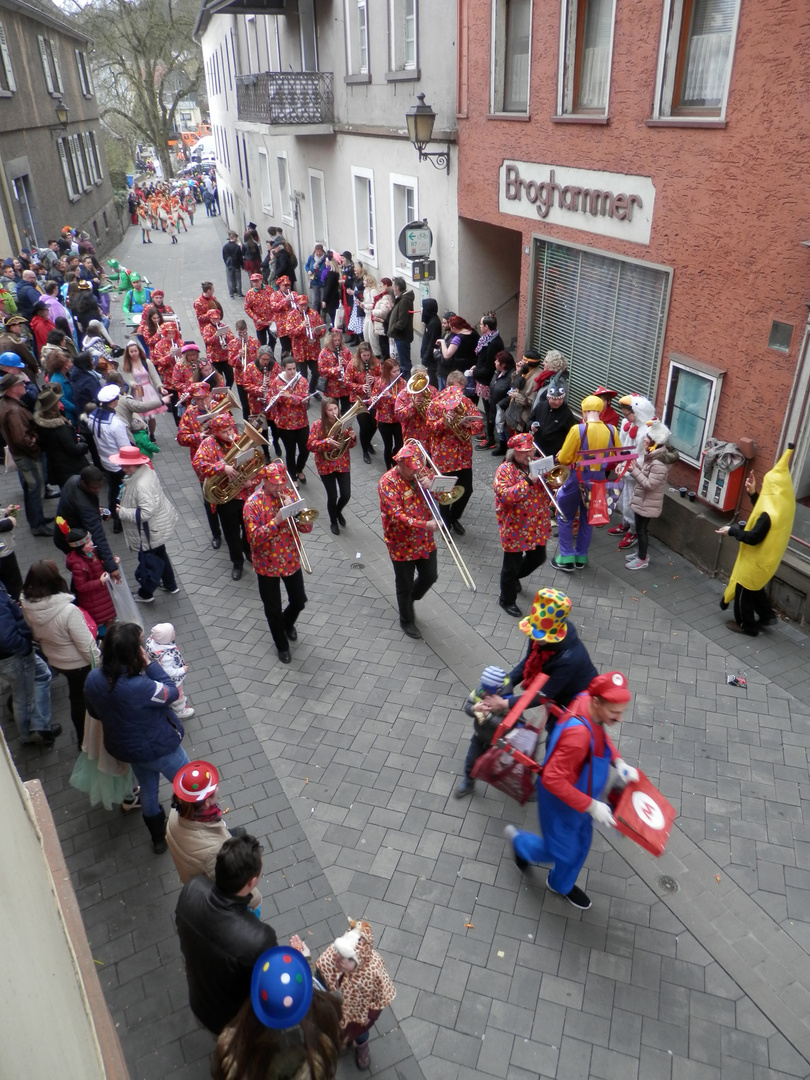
(757, 563)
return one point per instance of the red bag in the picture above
(598, 512)
(643, 814)
(505, 767)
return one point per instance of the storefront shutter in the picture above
(605, 315)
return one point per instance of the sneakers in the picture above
(466, 787)
(568, 568)
(627, 541)
(637, 564)
(618, 529)
(171, 592)
(577, 898)
(185, 714)
(143, 599)
(510, 832)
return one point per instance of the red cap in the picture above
(611, 687)
(256, 277)
(522, 442)
(195, 782)
(603, 390)
(275, 472)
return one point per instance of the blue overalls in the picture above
(566, 832)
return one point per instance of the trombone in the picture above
(306, 516)
(561, 474)
(433, 504)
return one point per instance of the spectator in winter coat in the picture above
(234, 262)
(651, 475)
(431, 332)
(84, 383)
(499, 388)
(65, 452)
(400, 325)
(89, 578)
(28, 294)
(79, 508)
(41, 325)
(20, 433)
(489, 344)
(26, 675)
(149, 521)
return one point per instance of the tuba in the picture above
(338, 431)
(453, 419)
(247, 457)
(225, 403)
(416, 386)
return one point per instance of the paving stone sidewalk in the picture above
(344, 762)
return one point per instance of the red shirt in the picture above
(290, 411)
(181, 377)
(317, 446)
(272, 546)
(414, 422)
(160, 353)
(361, 382)
(571, 752)
(334, 366)
(384, 409)
(303, 332)
(404, 513)
(209, 460)
(259, 307)
(283, 307)
(257, 384)
(189, 431)
(447, 451)
(202, 306)
(242, 353)
(523, 509)
(216, 346)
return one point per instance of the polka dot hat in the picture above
(281, 987)
(547, 622)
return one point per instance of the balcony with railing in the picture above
(289, 99)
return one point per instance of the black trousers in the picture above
(10, 575)
(454, 511)
(367, 425)
(233, 529)
(338, 492)
(225, 370)
(213, 519)
(295, 448)
(426, 571)
(280, 620)
(517, 565)
(244, 399)
(392, 442)
(749, 606)
(114, 482)
(642, 527)
(310, 367)
(75, 680)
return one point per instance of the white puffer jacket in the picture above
(142, 491)
(59, 626)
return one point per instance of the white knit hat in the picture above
(163, 633)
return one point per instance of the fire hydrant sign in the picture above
(415, 240)
(643, 814)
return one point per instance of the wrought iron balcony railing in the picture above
(286, 97)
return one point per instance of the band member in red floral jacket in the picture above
(384, 410)
(259, 377)
(361, 378)
(289, 414)
(275, 555)
(283, 307)
(218, 337)
(411, 410)
(153, 317)
(190, 433)
(168, 338)
(259, 301)
(333, 365)
(333, 471)
(210, 461)
(408, 528)
(523, 510)
(182, 374)
(305, 329)
(452, 452)
(205, 303)
(242, 352)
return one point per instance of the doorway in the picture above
(797, 431)
(21, 187)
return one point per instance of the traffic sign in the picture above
(415, 240)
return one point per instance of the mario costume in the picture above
(570, 788)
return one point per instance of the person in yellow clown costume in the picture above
(764, 540)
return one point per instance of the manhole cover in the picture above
(358, 566)
(668, 884)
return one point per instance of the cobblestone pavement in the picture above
(343, 764)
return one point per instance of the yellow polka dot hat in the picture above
(547, 622)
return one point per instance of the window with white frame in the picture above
(85, 77)
(357, 36)
(247, 166)
(694, 65)
(511, 42)
(402, 35)
(365, 215)
(585, 55)
(317, 203)
(8, 84)
(404, 209)
(284, 188)
(266, 186)
(690, 407)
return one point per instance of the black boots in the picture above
(156, 824)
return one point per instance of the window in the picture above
(695, 62)
(402, 35)
(264, 175)
(78, 161)
(780, 336)
(404, 209)
(511, 39)
(50, 65)
(106, 223)
(357, 36)
(605, 314)
(317, 202)
(365, 219)
(71, 183)
(91, 156)
(585, 52)
(247, 167)
(309, 35)
(284, 188)
(85, 78)
(239, 160)
(8, 83)
(693, 390)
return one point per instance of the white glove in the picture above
(600, 812)
(626, 772)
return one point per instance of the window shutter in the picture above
(99, 170)
(12, 85)
(88, 153)
(80, 161)
(74, 159)
(46, 63)
(88, 72)
(80, 67)
(65, 167)
(60, 86)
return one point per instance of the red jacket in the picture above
(90, 591)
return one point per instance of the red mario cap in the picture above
(610, 687)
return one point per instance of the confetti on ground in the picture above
(470, 925)
(501, 954)
(717, 878)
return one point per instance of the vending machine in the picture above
(719, 487)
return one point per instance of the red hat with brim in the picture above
(603, 390)
(283, 280)
(275, 472)
(256, 277)
(221, 423)
(523, 442)
(129, 455)
(610, 687)
(195, 782)
(411, 456)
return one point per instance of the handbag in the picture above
(149, 572)
(126, 610)
(340, 318)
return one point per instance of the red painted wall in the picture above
(732, 205)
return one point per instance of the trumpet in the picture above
(433, 503)
(287, 386)
(228, 401)
(222, 330)
(378, 397)
(416, 386)
(306, 517)
(243, 355)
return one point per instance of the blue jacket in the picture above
(27, 296)
(569, 670)
(135, 714)
(15, 633)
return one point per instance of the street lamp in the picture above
(420, 120)
(62, 113)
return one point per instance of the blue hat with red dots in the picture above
(281, 987)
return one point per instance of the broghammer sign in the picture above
(609, 204)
